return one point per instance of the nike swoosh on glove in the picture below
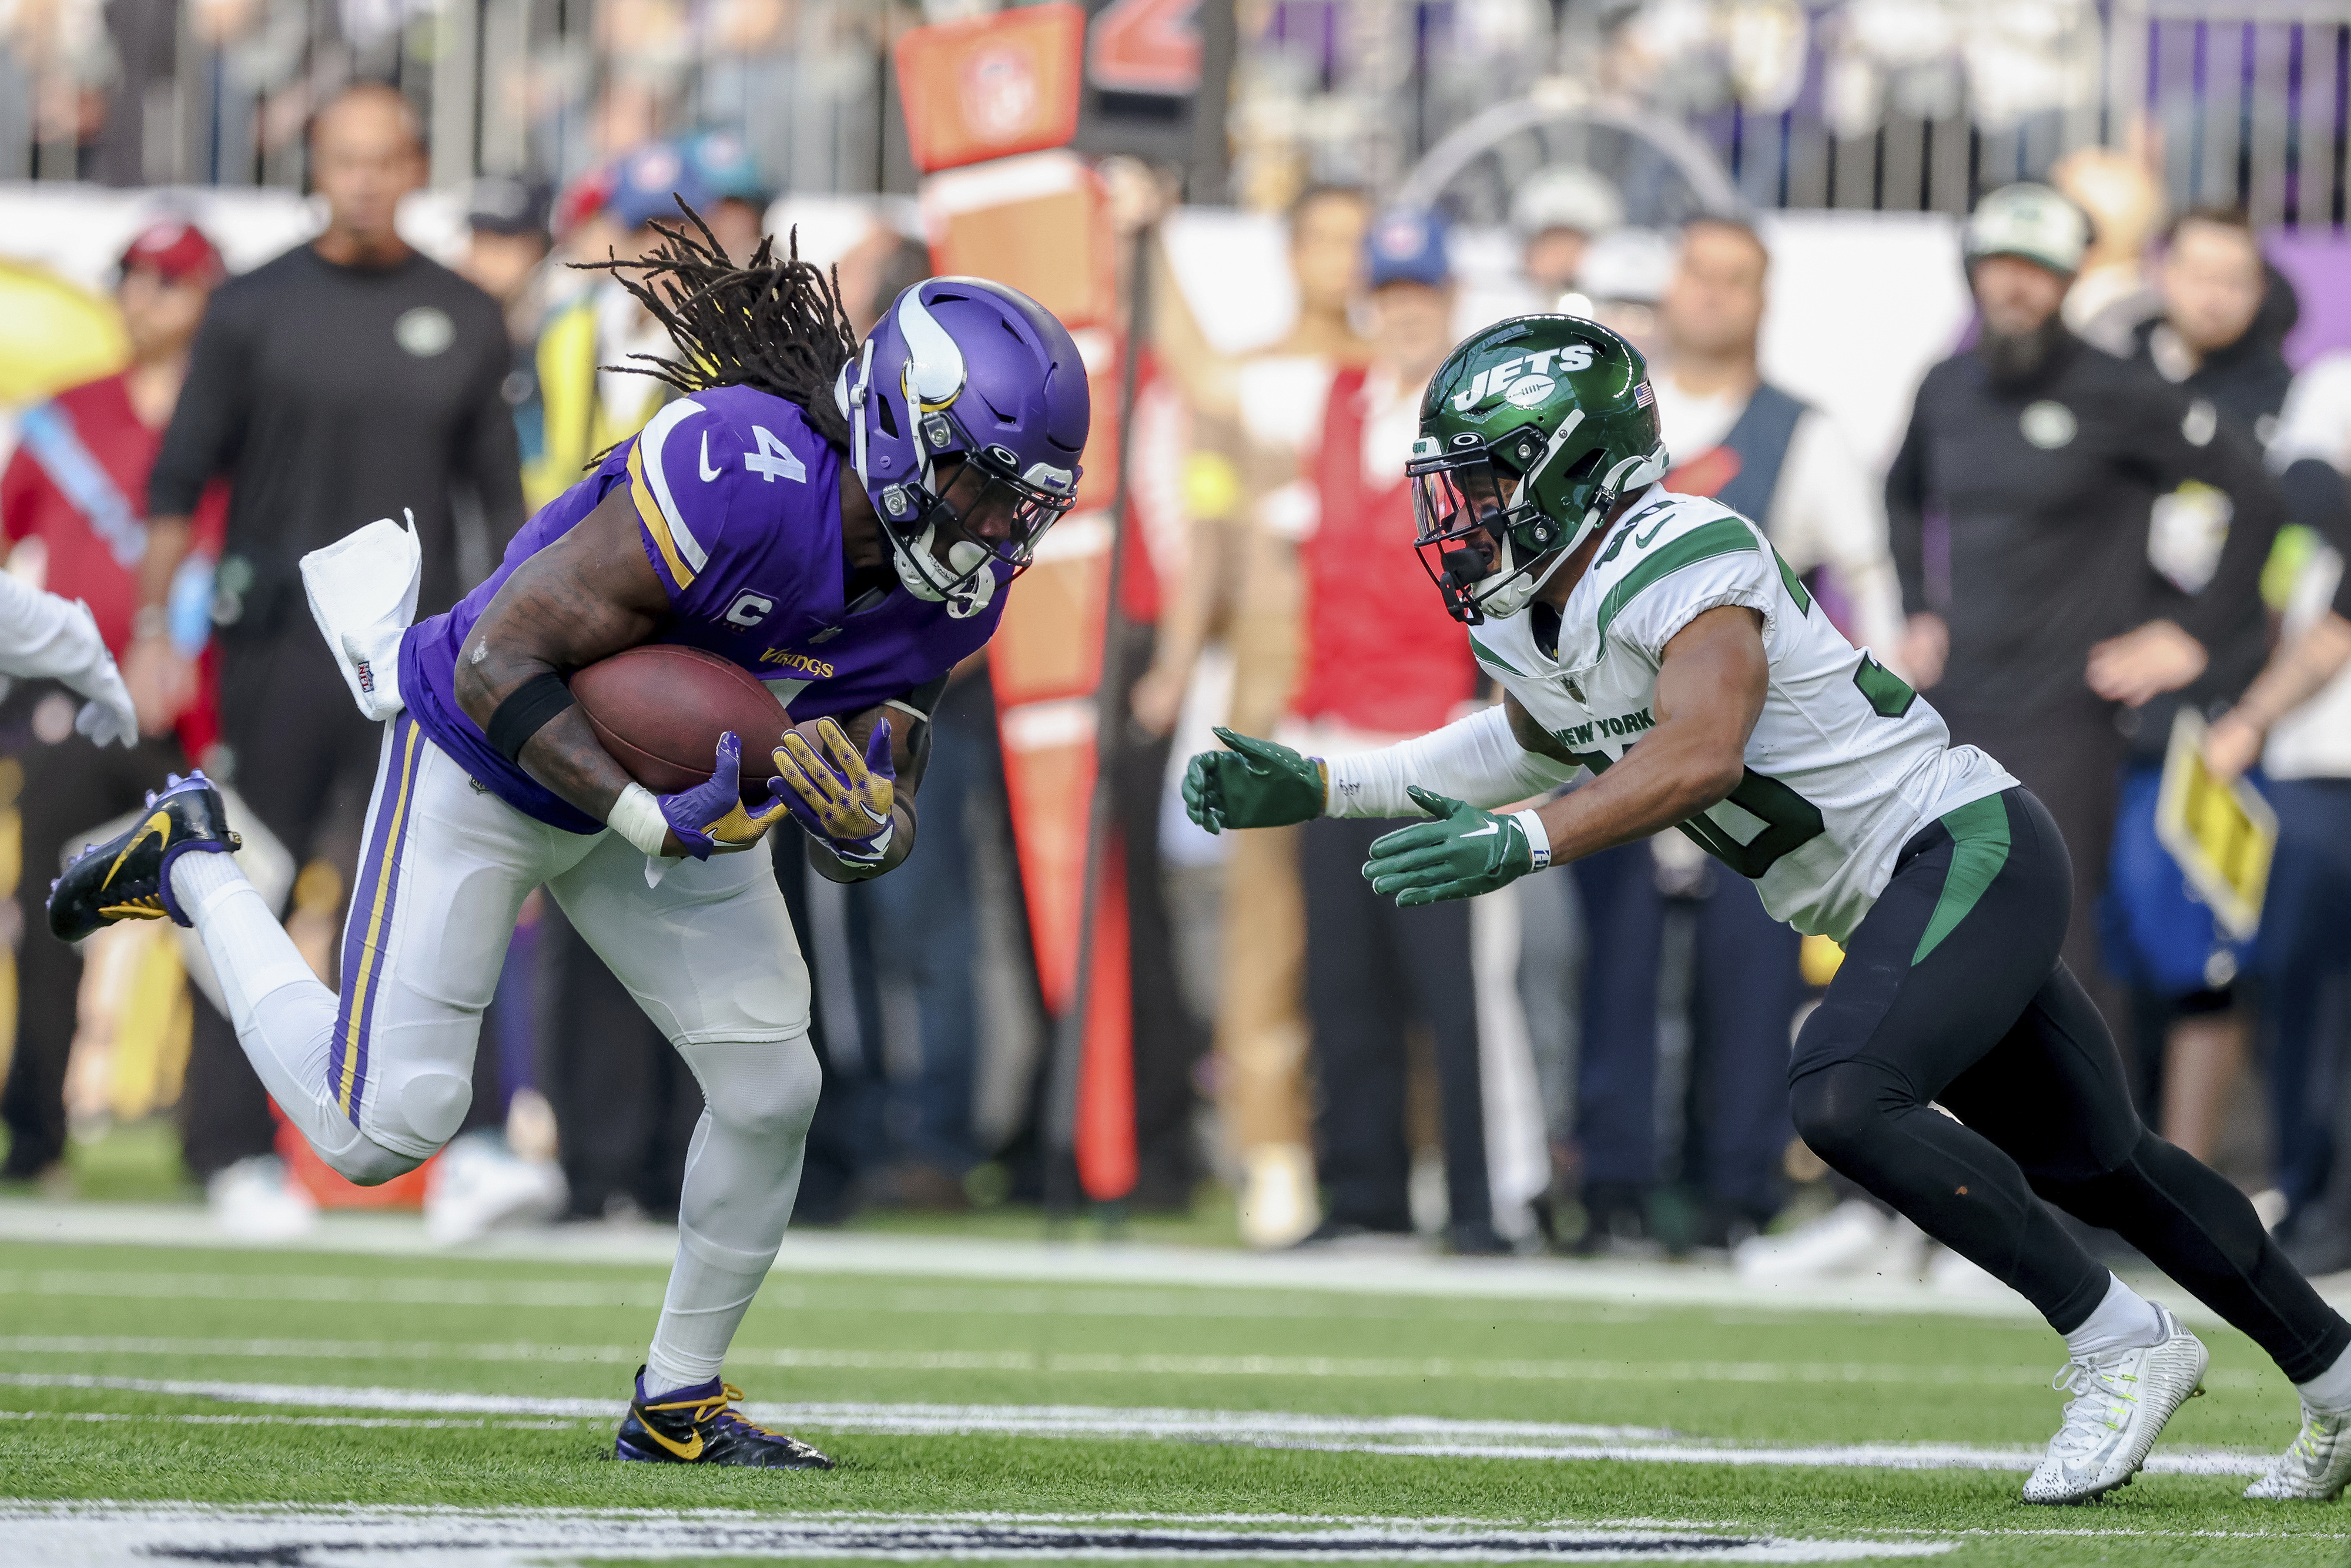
(1257, 784)
(710, 819)
(1464, 852)
(842, 797)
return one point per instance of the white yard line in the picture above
(1403, 1437)
(1400, 1271)
(779, 1293)
(86, 1535)
(47, 1417)
(1071, 1363)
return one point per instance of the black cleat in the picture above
(129, 877)
(698, 1426)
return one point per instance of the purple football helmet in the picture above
(962, 368)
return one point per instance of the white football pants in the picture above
(380, 1078)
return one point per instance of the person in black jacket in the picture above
(348, 379)
(2221, 341)
(2041, 459)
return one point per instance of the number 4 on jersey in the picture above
(774, 458)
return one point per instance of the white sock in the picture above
(710, 1288)
(285, 1017)
(2329, 1393)
(2125, 1319)
(742, 1172)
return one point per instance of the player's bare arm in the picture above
(1710, 690)
(585, 597)
(162, 682)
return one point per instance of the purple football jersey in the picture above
(738, 509)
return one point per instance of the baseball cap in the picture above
(502, 206)
(727, 167)
(176, 248)
(1628, 266)
(1407, 246)
(1566, 196)
(650, 181)
(2033, 222)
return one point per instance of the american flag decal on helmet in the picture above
(1642, 396)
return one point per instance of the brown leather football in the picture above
(660, 709)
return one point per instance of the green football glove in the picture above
(1464, 852)
(1257, 784)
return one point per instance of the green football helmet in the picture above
(1530, 433)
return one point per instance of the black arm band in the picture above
(526, 711)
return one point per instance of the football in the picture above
(660, 709)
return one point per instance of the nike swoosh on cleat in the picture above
(683, 1450)
(158, 825)
(708, 473)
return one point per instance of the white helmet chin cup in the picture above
(965, 598)
(911, 575)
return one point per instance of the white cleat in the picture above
(2315, 1469)
(257, 1199)
(1856, 1240)
(2119, 1406)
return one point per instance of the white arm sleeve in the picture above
(41, 634)
(1477, 760)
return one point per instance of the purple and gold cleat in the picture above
(699, 1425)
(129, 877)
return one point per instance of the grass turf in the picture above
(551, 1331)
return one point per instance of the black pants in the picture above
(2072, 760)
(1371, 971)
(304, 758)
(69, 786)
(1952, 993)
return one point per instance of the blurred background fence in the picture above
(1873, 104)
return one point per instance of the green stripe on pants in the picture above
(1979, 849)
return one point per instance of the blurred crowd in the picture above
(1592, 1060)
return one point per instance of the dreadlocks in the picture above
(774, 325)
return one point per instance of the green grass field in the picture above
(1240, 1422)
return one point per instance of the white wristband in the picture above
(637, 817)
(1538, 836)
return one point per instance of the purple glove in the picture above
(709, 818)
(842, 797)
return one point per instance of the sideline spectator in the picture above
(1383, 662)
(77, 485)
(2220, 340)
(737, 212)
(1240, 582)
(2045, 457)
(1759, 450)
(1558, 212)
(347, 380)
(2111, 299)
(2300, 707)
(588, 406)
(505, 258)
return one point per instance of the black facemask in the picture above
(2014, 361)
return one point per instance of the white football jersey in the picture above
(1846, 761)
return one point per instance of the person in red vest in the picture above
(75, 495)
(1381, 662)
